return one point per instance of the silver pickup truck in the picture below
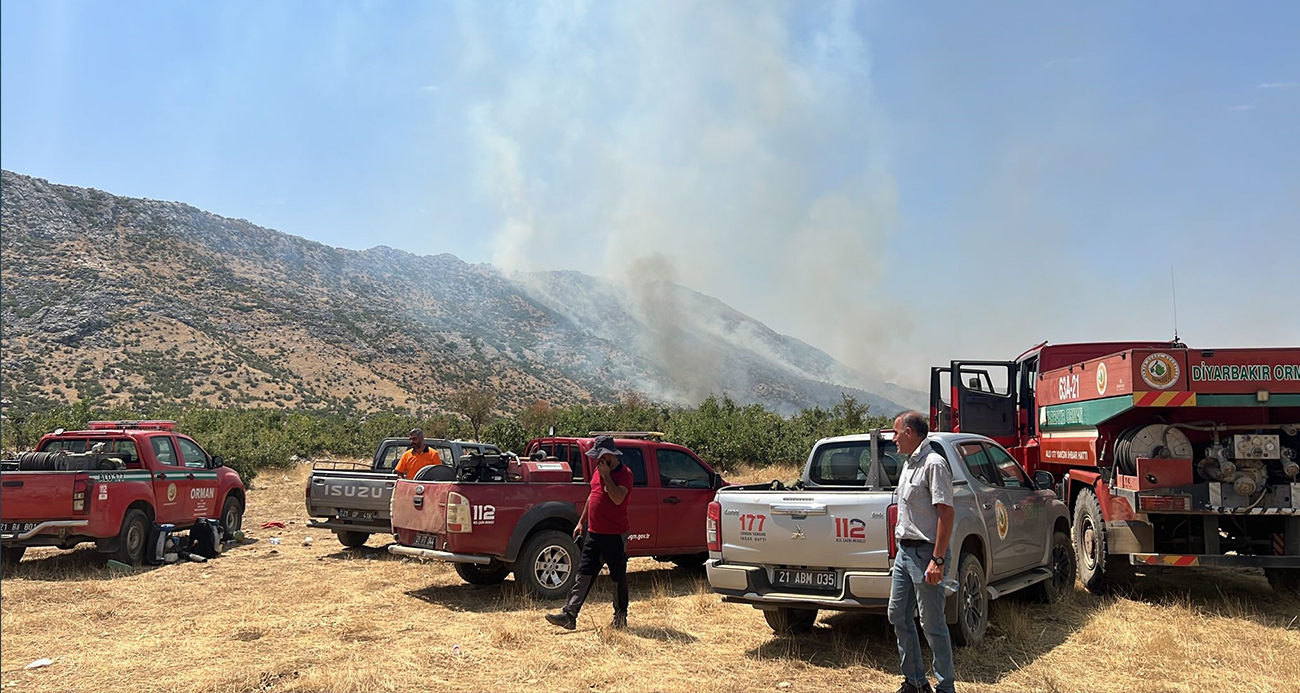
(354, 499)
(826, 541)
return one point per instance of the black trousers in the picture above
(599, 550)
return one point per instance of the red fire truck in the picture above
(1167, 456)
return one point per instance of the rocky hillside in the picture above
(136, 302)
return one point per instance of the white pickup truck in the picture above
(827, 541)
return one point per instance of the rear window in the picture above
(123, 448)
(849, 464)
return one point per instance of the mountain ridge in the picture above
(131, 301)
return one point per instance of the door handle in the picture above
(986, 506)
(189, 476)
(672, 499)
(162, 476)
(13, 484)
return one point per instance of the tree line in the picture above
(723, 432)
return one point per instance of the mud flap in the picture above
(1130, 536)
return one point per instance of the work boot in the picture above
(909, 687)
(620, 621)
(563, 620)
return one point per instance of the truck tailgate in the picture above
(330, 491)
(28, 496)
(822, 529)
(420, 507)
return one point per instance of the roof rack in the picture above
(627, 434)
(131, 425)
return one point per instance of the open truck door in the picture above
(941, 399)
(983, 398)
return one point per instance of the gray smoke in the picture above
(726, 147)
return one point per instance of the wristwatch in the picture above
(938, 560)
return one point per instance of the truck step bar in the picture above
(1015, 584)
(431, 555)
(1185, 560)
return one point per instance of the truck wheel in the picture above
(690, 561)
(132, 537)
(232, 517)
(1097, 569)
(1061, 563)
(972, 602)
(548, 564)
(787, 621)
(1284, 580)
(353, 540)
(12, 555)
(491, 574)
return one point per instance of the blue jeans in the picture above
(909, 590)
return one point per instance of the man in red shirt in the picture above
(606, 516)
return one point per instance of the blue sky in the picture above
(898, 183)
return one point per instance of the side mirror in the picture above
(217, 461)
(1044, 481)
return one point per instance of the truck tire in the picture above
(972, 602)
(548, 564)
(1098, 570)
(493, 573)
(1285, 581)
(232, 517)
(12, 555)
(132, 538)
(353, 540)
(787, 621)
(1061, 561)
(690, 561)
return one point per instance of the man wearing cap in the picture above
(606, 517)
(418, 457)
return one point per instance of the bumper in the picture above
(432, 555)
(43, 528)
(749, 584)
(337, 525)
(1188, 560)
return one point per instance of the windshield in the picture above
(849, 464)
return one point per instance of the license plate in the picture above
(18, 527)
(808, 579)
(426, 541)
(357, 514)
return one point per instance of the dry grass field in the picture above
(321, 618)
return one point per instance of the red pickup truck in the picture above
(111, 484)
(520, 516)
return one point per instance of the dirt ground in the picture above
(322, 618)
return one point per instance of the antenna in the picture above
(1174, 287)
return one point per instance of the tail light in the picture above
(81, 496)
(1176, 504)
(713, 526)
(458, 514)
(892, 521)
